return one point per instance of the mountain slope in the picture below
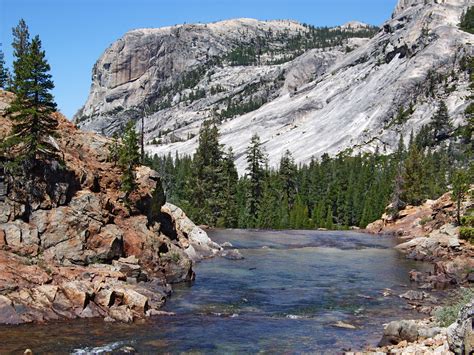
(360, 94)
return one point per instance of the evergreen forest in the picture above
(331, 192)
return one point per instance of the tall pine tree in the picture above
(441, 124)
(129, 158)
(4, 73)
(256, 161)
(413, 176)
(229, 192)
(21, 47)
(287, 174)
(33, 105)
(207, 181)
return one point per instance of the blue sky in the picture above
(76, 32)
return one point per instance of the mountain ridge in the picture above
(327, 100)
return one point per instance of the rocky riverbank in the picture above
(428, 233)
(70, 247)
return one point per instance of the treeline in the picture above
(332, 192)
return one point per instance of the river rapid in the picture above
(286, 296)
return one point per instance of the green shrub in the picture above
(447, 315)
(467, 233)
(425, 220)
(467, 221)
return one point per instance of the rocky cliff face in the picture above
(70, 248)
(320, 101)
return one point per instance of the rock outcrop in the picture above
(427, 337)
(430, 234)
(69, 245)
(461, 333)
(323, 101)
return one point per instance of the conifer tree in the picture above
(256, 160)
(413, 176)
(114, 150)
(460, 183)
(21, 46)
(329, 221)
(441, 124)
(4, 73)
(270, 215)
(207, 180)
(287, 174)
(229, 192)
(33, 105)
(129, 158)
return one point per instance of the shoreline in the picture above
(427, 234)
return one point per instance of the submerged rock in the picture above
(344, 325)
(233, 254)
(413, 295)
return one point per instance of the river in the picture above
(285, 297)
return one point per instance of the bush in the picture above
(467, 233)
(467, 221)
(447, 315)
(425, 220)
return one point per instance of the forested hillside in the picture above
(331, 192)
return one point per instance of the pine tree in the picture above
(114, 150)
(129, 158)
(329, 221)
(413, 176)
(269, 215)
(256, 160)
(229, 193)
(33, 105)
(441, 124)
(207, 181)
(4, 73)
(21, 46)
(460, 183)
(287, 174)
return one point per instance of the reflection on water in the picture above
(285, 296)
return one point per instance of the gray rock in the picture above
(129, 267)
(461, 333)
(413, 295)
(12, 233)
(429, 332)
(226, 245)
(8, 315)
(233, 254)
(202, 245)
(4, 212)
(397, 331)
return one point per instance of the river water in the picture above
(285, 297)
